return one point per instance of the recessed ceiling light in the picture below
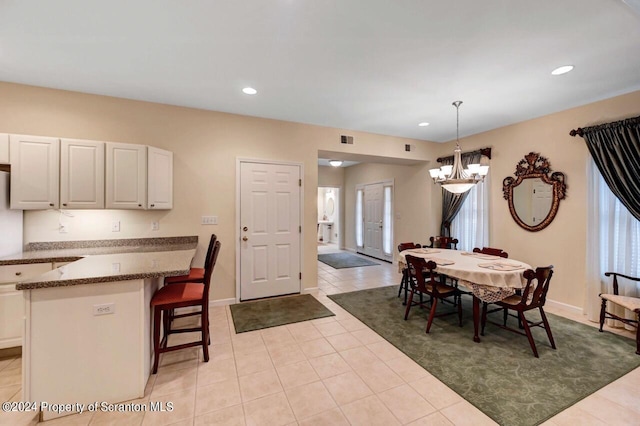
(562, 70)
(249, 91)
(423, 124)
(335, 163)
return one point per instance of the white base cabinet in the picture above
(72, 355)
(11, 301)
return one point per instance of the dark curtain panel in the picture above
(615, 148)
(451, 203)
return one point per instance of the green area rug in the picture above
(344, 260)
(249, 316)
(499, 375)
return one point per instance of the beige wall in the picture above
(563, 242)
(206, 146)
(415, 217)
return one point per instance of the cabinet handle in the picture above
(153, 205)
(18, 273)
(50, 204)
(64, 204)
(139, 205)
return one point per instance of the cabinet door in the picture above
(126, 176)
(81, 174)
(35, 167)
(12, 301)
(4, 148)
(160, 179)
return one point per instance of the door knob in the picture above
(245, 229)
(245, 239)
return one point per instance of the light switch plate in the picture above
(209, 220)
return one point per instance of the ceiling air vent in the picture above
(346, 139)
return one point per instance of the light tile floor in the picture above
(330, 371)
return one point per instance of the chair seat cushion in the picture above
(176, 293)
(195, 275)
(627, 302)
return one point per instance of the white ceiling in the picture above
(373, 65)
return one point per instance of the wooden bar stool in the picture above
(181, 295)
(196, 275)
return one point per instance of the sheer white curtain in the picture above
(613, 243)
(471, 225)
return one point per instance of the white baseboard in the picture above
(222, 302)
(565, 307)
(310, 290)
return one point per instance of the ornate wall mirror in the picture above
(534, 195)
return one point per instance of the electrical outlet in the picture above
(155, 225)
(104, 309)
(63, 229)
(115, 226)
(209, 220)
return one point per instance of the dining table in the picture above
(490, 278)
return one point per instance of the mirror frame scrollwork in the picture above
(535, 166)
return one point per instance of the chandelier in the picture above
(454, 178)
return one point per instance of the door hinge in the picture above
(300, 229)
(299, 182)
(300, 275)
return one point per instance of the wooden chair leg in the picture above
(459, 312)
(205, 333)
(406, 311)
(527, 331)
(432, 313)
(402, 283)
(547, 328)
(157, 313)
(483, 321)
(603, 310)
(505, 315)
(638, 336)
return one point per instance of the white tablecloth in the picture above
(489, 285)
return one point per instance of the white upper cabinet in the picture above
(35, 167)
(4, 148)
(160, 179)
(126, 176)
(81, 174)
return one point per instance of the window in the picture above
(613, 242)
(359, 218)
(471, 224)
(386, 221)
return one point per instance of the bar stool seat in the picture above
(170, 297)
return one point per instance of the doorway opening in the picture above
(374, 224)
(329, 224)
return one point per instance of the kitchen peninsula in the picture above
(87, 324)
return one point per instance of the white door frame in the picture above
(386, 182)
(239, 161)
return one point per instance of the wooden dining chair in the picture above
(492, 251)
(196, 275)
(627, 302)
(534, 296)
(443, 242)
(405, 277)
(425, 281)
(182, 295)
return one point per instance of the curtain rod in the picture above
(577, 132)
(483, 151)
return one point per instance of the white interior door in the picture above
(270, 230)
(373, 211)
(542, 200)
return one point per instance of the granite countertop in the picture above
(114, 267)
(99, 261)
(69, 251)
